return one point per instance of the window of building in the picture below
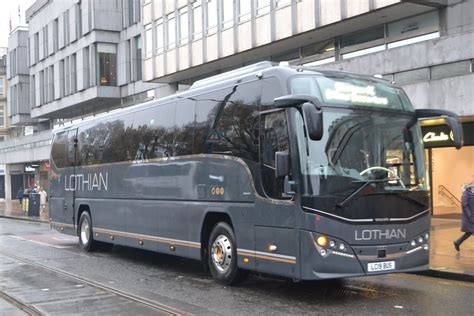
(13, 63)
(227, 14)
(148, 41)
(45, 41)
(78, 20)
(414, 26)
(66, 27)
(33, 91)
(1, 85)
(362, 37)
(107, 64)
(211, 16)
(61, 78)
(36, 43)
(2, 118)
(183, 25)
(86, 68)
(41, 87)
(263, 7)
(45, 86)
(51, 84)
(138, 60)
(55, 35)
(171, 27)
(197, 19)
(245, 10)
(73, 65)
(67, 77)
(160, 40)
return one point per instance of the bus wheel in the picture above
(86, 241)
(222, 255)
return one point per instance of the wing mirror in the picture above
(312, 112)
(450, 118)
(282, 164)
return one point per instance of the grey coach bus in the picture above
(297, 172)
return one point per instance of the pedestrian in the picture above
(19, 195)
(43, 197)
(467, 219)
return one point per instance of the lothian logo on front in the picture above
(377, 234)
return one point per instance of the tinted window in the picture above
(117, 142)
(105, 141)
(274, 138)
(209, 107)
(59, 149)
(153, 132)
(237, 125)
(71, 148)
(184, 129)
(271, 89)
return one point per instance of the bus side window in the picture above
(274, 138)
(72, 160)
(184, 127)
(153, 133)
(237, 126)
(59, 150)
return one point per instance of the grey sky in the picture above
(10, 8)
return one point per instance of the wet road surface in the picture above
(47, 272)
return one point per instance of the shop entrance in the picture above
(451, 169)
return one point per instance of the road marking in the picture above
(432, 280)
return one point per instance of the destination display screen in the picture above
(351, 91)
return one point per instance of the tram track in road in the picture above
(30, 310)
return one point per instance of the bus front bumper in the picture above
(336, 261)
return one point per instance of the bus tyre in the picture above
(86, 240)
(222, 255)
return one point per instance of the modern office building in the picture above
(3, 107)
(427, 47)
(75, 59)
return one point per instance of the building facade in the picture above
(75, 59)
(3, 108)
(427, 47)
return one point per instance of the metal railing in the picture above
(444, 192)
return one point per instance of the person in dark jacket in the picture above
(19, 195)
(467, 219)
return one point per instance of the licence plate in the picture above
(381, 266)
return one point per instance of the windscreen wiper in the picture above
(356, 192)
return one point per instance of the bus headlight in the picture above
(322, 241)
(420, 239)
(413, 243)
(342, 247)
(427, 236)
(332, 243)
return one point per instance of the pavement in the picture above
(445, 261)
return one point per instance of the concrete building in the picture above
(3, 107)
(76, 59)
(427, 47)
